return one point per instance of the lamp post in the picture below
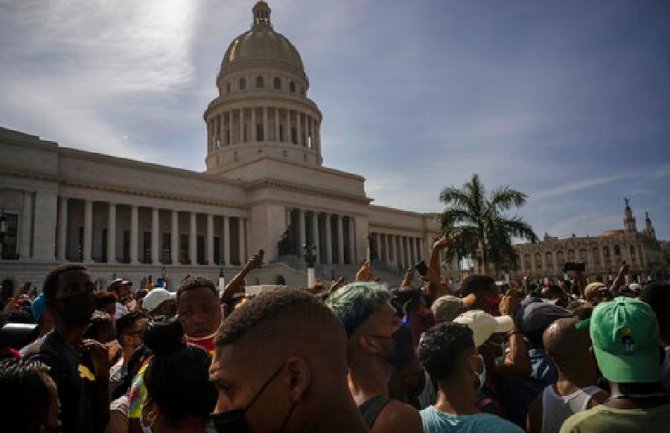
(222, 280)
(310, 259)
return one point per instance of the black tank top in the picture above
(371, 409)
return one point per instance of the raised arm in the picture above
(236, 285)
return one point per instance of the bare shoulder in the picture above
(398, 417)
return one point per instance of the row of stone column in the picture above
(62, 235)
(396, 250)
(229, 126)
(333, 244)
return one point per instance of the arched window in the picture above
(243, 83)
(291, 87)
(560, 258)
(259, 82)
(571, 255)
(227, 88)
(277, 83)
(538, 261)
(617, 250)
(549, 259)
(526, 261)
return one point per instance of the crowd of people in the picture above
(487, 356)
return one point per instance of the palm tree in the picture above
(478, 222)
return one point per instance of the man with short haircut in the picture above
(567, 344)
(449, 355)
(28, 397)
(129, 335)
(376, 344)
(199, 311)
(624, 333)
(280, 365)
(80, 368)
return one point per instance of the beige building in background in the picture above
(603, 255)
(264, 182)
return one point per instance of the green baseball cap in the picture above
(625, 340)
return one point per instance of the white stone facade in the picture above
(264, 174)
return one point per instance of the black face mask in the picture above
(403, 347)
(235, 421)
(78, 308)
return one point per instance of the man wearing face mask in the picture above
(280, 366)
(376, 344)
(80, 368)
(448, 354)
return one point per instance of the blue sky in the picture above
(567, 101)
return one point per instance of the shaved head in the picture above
(282, 356)
(286, 322)
(565, 343)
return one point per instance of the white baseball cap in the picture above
(484, 325)
(156, 297)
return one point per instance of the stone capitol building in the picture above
(264, 187)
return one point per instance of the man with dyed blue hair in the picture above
(376, 344)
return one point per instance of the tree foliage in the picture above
(479, 224)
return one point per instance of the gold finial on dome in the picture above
(261, 12)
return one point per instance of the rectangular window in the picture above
(166, 248)
(217, 250)
(200, 250)
(183, 249)
(104, 246)
(125, 251)
(259, 132)
(294, 136)
(146, 247)
(9, 244)
(281, 132)
(80, 245)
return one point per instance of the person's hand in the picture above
(365, 273)
(469, 301)
(255, 262)
(407, 278)
(527, 276)
(443, 242)
(509, 304)
(99, 356)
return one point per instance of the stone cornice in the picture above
(274, 183)
(12, 137)
(248, 99)
(124, 190)
(142, 165)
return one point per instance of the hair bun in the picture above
(164, 336)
